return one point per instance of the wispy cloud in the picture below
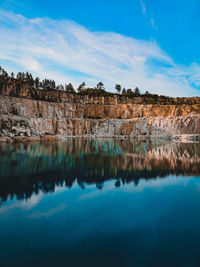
(150, 19)
(143, 6)
(68, 52)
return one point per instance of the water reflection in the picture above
(145, 213)
(27, 168)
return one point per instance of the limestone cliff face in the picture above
(27, 119)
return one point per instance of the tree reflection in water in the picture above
(27, 168)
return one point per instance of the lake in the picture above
(100, 202)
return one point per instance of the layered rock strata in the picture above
(27, 119)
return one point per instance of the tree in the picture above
(118, 88)
(81, 87)
(129, 92)
(69, 88)
(12, 75)
(100, 86)
(19, 76)
(37, 82)
(46, 84)
(3, 73)
(29, 78)
(136, 91)
(147, 93)
(124, 91)
(53, 85)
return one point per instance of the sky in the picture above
(151, 44)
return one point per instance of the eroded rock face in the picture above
(26, 119)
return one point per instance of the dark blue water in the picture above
(100, 203)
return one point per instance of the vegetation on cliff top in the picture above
(49, 85)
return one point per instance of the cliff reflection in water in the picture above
(26, 168)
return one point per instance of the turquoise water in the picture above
(100, 202)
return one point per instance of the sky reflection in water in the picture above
(100, 202)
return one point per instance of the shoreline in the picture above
(183, 138)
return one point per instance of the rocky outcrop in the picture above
(28, 119)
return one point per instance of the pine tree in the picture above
(136, 91)
(118, 88)
(124, 91)
(100, 86)
(81, 87)
(69, 88)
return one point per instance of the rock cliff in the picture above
(60, 115)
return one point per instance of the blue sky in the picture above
(146, 43)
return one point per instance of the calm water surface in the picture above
(100, 202)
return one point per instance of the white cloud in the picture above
(68, 52)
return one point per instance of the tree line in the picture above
(99, 90)
(50, 85)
